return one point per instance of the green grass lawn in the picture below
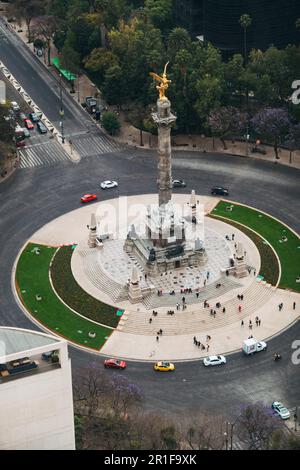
(32, 278)
(74, 296)
(273, 231)
(269, 267)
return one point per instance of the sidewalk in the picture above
(130, 136)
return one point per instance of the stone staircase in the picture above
(117, 292)
(198, 320)
(205, 293)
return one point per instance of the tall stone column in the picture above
(164, 119)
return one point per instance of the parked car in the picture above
(14, 106)
(34, 117)
(214, 361)
(88, 197)
(28, 124)
(281, 410)
(220, 191)
(22, 116)
(20, 143)
(108, 184)
(41, 127)
(26, 132)
(114, 364)
(178, 184)
(163, 366)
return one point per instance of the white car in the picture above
(14, 106)
(281, 410)
(109, 184)
(214, 361)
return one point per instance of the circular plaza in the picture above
(82, 292)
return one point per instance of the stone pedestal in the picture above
(134, 292)
(240, 264)
(92, 242)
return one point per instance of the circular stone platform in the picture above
(103, 274)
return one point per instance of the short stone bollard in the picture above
(92, 334)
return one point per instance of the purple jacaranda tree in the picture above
(272, 125)
(293, 139)
(256, 425)
(227, 121)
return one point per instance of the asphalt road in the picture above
(33, 197)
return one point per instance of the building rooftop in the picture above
(14, 341)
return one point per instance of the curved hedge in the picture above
(73, 295)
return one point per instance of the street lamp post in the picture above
(296, 418)
(78, 93)
(61, 112)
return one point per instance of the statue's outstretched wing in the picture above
(157, 77)
(165, 69)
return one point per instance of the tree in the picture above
(7, 131)
(178, 39)
(256, 426)
(272, 125)
(45, 28)
(110, 123)
(160, 13)
(113, 86)
(227, 121)
(27, 10)
(245, 22)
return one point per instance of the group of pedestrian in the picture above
(159, 292)
(171, 312)
(154, 313)
(257, 321)
(200, 345)
(240, 296)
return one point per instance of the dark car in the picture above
(220, 191)
(178, 184)
(34, 117)
(41, 127)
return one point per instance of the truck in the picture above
(251, 346)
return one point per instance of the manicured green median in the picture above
(275, 233)
(32, 279)
(74, 296)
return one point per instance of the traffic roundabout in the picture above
(56, 192)
(81, 293)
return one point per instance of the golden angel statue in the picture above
(164, 83)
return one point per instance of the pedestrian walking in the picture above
(232, 236)
(242, 297)
(150, 320)
(239, 297)
(294, 305)
(254, 272)
(197, 295)
(240, 308)
(204, 282)
(195, 340)
(183, 300)
(157, 338)
(242, 323)
(215, 314)
(207, 347)
(207, 275)
(259, 322)
(224, 310)
(177, 306)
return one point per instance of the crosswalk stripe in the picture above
(94, 144)
(37, 155)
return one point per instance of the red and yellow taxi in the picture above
(114, 364)
(88, 197)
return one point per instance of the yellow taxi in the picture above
(164, 366)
